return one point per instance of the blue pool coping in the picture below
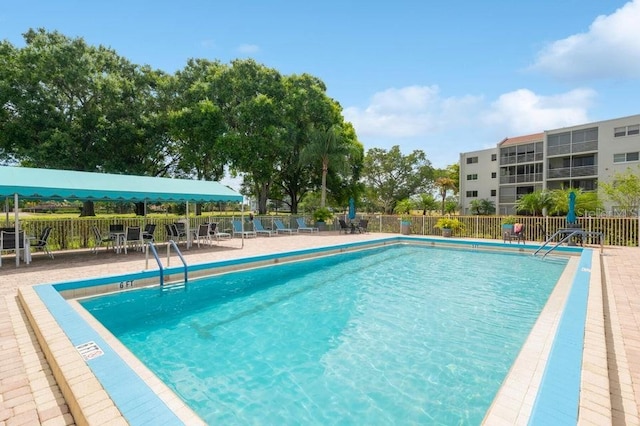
(140, 405)
(558, 399)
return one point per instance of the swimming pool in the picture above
(390, 334)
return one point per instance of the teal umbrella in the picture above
(571, 215)
(352, 209)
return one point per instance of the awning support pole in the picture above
(16, 226)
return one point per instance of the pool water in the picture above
(401, 334)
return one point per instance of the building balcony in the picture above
(569, 172)
(574, 148)
(536, 177)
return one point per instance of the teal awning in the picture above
(48, 184)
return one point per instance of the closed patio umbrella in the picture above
(571, 214)
(352, 209)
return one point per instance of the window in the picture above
(626, 131)
(472, 160)
(493, 175)
(627, 156)
(472, 177)
(471, 194)
(494, 157)
(493, 192)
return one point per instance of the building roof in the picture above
(49, 184)
(536, 137)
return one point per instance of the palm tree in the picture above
(535, 202)
(444, 184)
(483, 206)
(326, 147)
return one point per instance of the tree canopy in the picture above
(69, 105)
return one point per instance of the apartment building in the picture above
(571, 157)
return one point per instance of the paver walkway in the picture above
(29, 394)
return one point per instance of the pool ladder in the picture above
(152, 249)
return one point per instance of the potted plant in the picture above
(405, 225)
(403, 208)
(448, 225)
(507, 224)
(321, 215)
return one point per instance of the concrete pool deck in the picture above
(30, 395)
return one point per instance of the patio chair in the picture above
(173, 233)
(516, 234)
(280, 228)
(42, 242)
(302, 226)
(181, 229)
(133, 238)
(363, 226)
(9, 242)
(261, 230)
(147, 234)
(214, 233)
(203, 234)
(237, 230)
(344, 227)
(99, 240)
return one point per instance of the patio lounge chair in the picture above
(363, 225)
(260, 230)
(99, 240)
(237, 230)
(302, 226)
(214, 233)
(280, 228)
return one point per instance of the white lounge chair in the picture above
(218, 235)
(302, 226)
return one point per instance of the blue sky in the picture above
(443, 77)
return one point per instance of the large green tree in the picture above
(253, 113)
(392, 176)
(68, 105)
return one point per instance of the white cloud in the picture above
(610, 49)
(406, 112)
(248, 48)
(418, 117)
(522, 111)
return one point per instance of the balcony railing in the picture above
(535, 177)
(584, 146)
(559, 150)
(568, 172)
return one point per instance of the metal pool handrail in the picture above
(569, 233)
(184, 263)
(152, 248)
